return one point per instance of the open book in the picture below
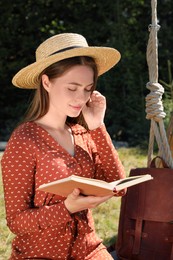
(89, 186)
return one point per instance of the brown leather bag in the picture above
(146, 217)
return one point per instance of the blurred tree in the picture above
(114, 23)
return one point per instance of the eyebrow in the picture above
(78, 84)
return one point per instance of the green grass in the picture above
(105, 216)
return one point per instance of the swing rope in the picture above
(154, 107)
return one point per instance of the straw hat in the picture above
(63, 46)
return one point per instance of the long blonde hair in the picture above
(40, 103)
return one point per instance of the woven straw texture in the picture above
(63, 46)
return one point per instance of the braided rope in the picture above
(154, 107)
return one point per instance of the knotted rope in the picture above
(154, 107)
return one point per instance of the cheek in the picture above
(88, 97)
(56, 97)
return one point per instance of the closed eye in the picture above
(74, 86)
(72, 89)
(88, 90)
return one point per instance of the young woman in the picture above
(63, 134)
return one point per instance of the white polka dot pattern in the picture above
(44, 229)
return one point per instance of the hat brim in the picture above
(104, 57)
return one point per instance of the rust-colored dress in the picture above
(43, 226)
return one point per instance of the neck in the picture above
(53, 122)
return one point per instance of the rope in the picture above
(154, 107)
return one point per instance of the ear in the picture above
(45, 82)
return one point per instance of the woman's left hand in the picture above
(94, 110)
(76, 202)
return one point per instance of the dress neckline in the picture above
(56, 141)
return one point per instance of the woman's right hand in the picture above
(76, 202)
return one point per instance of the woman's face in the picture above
(69, 93)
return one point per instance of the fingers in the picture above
(97, 97)
(74, 194)
(99, 200)
(71, 200)
(76, 202)
(94, 111)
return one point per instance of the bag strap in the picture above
(154, 163)
(139, 221)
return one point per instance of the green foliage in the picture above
(168, 95)
(119, 24)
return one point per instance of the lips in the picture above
(77, 108)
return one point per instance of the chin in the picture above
(74, 114)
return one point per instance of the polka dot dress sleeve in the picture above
(18, 173)
(108, 164)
